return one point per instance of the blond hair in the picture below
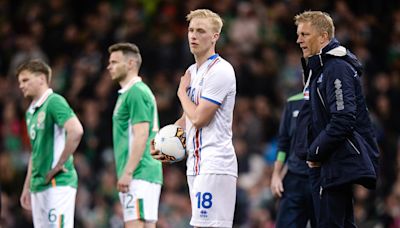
(319, 20)
(216, 20)
(36, 67)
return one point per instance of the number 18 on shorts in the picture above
(213, 199)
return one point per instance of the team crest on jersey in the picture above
(40, 120)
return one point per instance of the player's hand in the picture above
(124, 182)
(184, 84)
(276, 185)
(312, 164)
(156, 154)
(25, 199)
(52, 173)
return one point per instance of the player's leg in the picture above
(315, 184)
(134, 224)
(334, 208)
(38, 212)
(292, 206)
(349, 220)
(140, 204)
(310, 210)
(213, 199)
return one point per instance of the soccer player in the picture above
(207, 94)
(296, 207)
(54, 132)
(341, 138)
(135, 123)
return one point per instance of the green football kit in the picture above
(45, 120)
(135, 104)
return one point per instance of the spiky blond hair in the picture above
(216, 20)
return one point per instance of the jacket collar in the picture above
(333, 49)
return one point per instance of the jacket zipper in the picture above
(321, 189)
(320, 97)
(351, 143)
(354, 147)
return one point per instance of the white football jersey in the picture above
(210, 149)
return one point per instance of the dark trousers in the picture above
(336, 207)
(315, 180)
(296, 204)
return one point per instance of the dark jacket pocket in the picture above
(351, 163)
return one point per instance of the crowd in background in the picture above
(258, 38)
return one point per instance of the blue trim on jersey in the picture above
(213, 57)
(213, 101)
(200, 146)
(194, 155)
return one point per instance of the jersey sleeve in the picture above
(284, 137)
(140, 107)
(60, 110)
(218, 84)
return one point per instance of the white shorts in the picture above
(141, 202)
(213, 198)
(54, 207)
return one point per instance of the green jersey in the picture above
(135, 104)
(45, 120)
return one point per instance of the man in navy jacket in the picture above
(339, 135)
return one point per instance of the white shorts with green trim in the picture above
(213, 198)
(141, 202)
(54, 207)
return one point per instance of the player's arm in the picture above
(181, 121)
(200, 115)
(283, 147)
(141, 133)
(74, 132)
(25, 199)
(278, 174)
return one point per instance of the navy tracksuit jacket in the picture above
(336, 127)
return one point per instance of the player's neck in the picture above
(201, 58)
(129, 77)
(40, 93)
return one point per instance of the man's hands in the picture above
(25, 199)
(52, 173)
(312, 164)
(156, 154)
(124, 182)
(276, 185)
(184, 84)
